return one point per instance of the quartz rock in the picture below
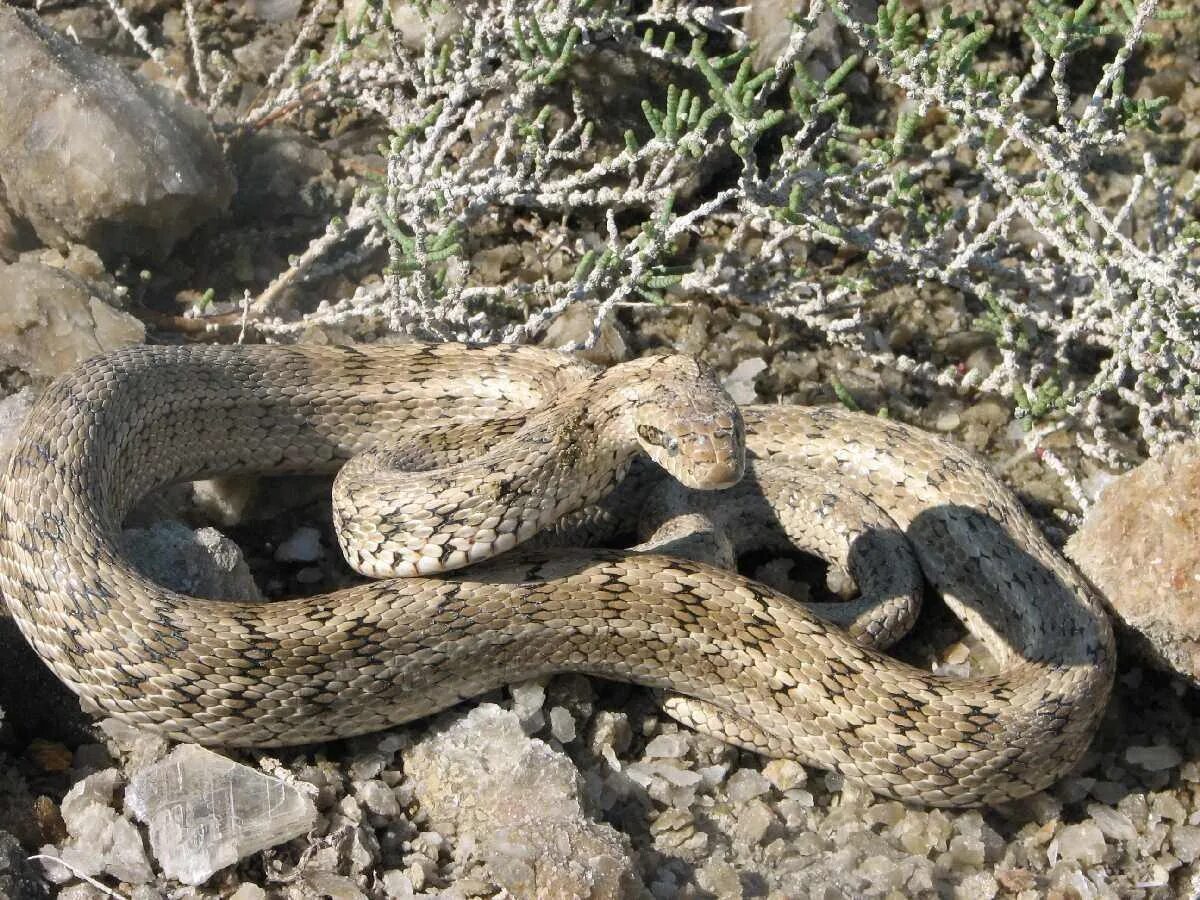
(51, 320)
(92, 153)
(206, 812)
(102, 841)
(746, 784)
(1082, 843)
(516, 804)
(668, 746)
(15, 235)
(1140, 545)
(202, 563)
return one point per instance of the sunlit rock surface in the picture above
(51, 320)
(1140, 545)
(206, 812)
(91, 153)
(517, 803)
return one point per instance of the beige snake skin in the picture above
(528, 436)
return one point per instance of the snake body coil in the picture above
(742, 661)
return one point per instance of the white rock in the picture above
(1082, 843)
(528, 699)
(562, 725)
(101, 840)
(379, 798)
(304, 545)
(206, 812)
(668, 746)
(13, 410)
(397, 885)
(746, 784)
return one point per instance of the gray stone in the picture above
(18, 878)
(92, 153)
(202, 563)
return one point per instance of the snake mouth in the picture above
(715, 476)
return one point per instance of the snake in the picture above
(449, 456)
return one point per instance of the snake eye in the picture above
(657, 438)
(651, 435)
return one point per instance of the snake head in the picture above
(691, 427)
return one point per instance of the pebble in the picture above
(1154, 758)
(304, 545)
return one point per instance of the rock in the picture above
(101, 840)
(304, 545)
(15, 235)
(746, 784)
(52, 320)
(668, 746)
(768, 24)
(1082, 843)
(206, 812)
(18, 878)
(740, 382)
(517, 805)
(573, 326)
(1140, 545)
(1155, 758)
(271, 10)
(92, 153)
(13, 410)
(202, 563)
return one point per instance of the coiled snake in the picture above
(477, 449)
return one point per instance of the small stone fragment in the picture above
(572, 327)
(1082, 843)
(753, 821)
(1155, 758)
(528, 699)
(51, 320)
(668, 746)
(202, 563)
(746, 784)
(397, 885)
(206, 812)
(740, 382)
(94, 154)
(379, 798)
(784, 774)
(1139, 546)
(562, 725)
(304, 545)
